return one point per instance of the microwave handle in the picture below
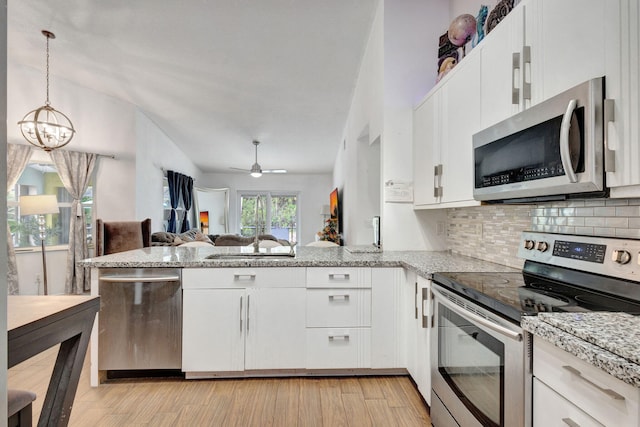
(565, 152)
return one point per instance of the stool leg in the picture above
(26, 416)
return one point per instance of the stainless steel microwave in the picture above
(551, 151)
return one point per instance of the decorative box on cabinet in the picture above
(589, 393)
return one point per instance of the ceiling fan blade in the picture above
(240, 169)
(274, 171)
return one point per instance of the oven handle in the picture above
(565, 152)
(475, 318)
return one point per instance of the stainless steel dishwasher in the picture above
(140, 319)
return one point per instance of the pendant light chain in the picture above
(47, 101)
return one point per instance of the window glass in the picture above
(36, 179)
(277, 214)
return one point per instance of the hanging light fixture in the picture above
(46, 127)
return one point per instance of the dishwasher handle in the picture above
(146, 279)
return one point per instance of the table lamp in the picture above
(40, 205)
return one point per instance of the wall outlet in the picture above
(477, 230)
(441, 228)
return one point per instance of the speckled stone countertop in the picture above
(422, 262)
(609, 341)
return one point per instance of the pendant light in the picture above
(46, 127)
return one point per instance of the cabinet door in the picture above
(213, 330)
(499, 76)
(387, 350)
(461, 106)
(426, 137)
(275, 328)
(422, 330)
(623, 87)
(551, 409)
(569, 40)
(410, 316)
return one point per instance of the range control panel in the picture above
(601, 255)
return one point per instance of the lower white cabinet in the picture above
(551, 409)
(417, 316)
(243, 319)
(270, 319)
(590, 396)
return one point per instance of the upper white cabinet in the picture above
(443, 126)
(623, 87)
(542, 48)
(502, 54)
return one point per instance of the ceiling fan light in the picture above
(256, 170)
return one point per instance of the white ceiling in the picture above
(212, 74)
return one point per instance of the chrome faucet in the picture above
(256, 241)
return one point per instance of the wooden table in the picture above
(36, 323)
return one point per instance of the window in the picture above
(277, 214)
(42, 178)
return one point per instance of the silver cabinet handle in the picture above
(570, 422)
(240, 313)
(345, 297)
(612, 394)
(515, 65)
(609, 117)
(344, 337)
(425, 316)
(437, 181)
(415, 301)
(248, 312)
(336, 276)
(565, 152)
(526, 59)
(248, 276)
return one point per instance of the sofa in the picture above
(164, 238)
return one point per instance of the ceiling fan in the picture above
(256, 170)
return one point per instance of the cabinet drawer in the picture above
(551, 409)
(338, 277)
(338, 348)
(605, 398)
(338, 307)
(204, 278)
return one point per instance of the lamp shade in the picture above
(38, 205)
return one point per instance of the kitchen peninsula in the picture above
(325, 311)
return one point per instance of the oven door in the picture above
(478, 366)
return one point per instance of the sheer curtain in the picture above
(187, 198)
(17, 158)
(75, 171)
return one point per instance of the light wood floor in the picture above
(330, 402)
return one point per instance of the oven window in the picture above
(472, 363)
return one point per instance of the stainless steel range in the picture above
(481, 372)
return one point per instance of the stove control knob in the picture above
(620, 256)
(529, 244)
(542, 246)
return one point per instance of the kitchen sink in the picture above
(252, 255)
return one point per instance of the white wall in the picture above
(398, 69)
(155, 152)
(313, 192)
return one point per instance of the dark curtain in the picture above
(187, 197)
(175, 185)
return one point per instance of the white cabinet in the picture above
(243, 319)
(213, 330)
(443, 128)
(623, 87)
(417, 322)
(589, 394)
(542, 48)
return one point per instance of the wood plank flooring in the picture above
(278, 402)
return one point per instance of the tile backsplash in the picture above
(492, 232)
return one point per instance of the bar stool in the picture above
(19, 408)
